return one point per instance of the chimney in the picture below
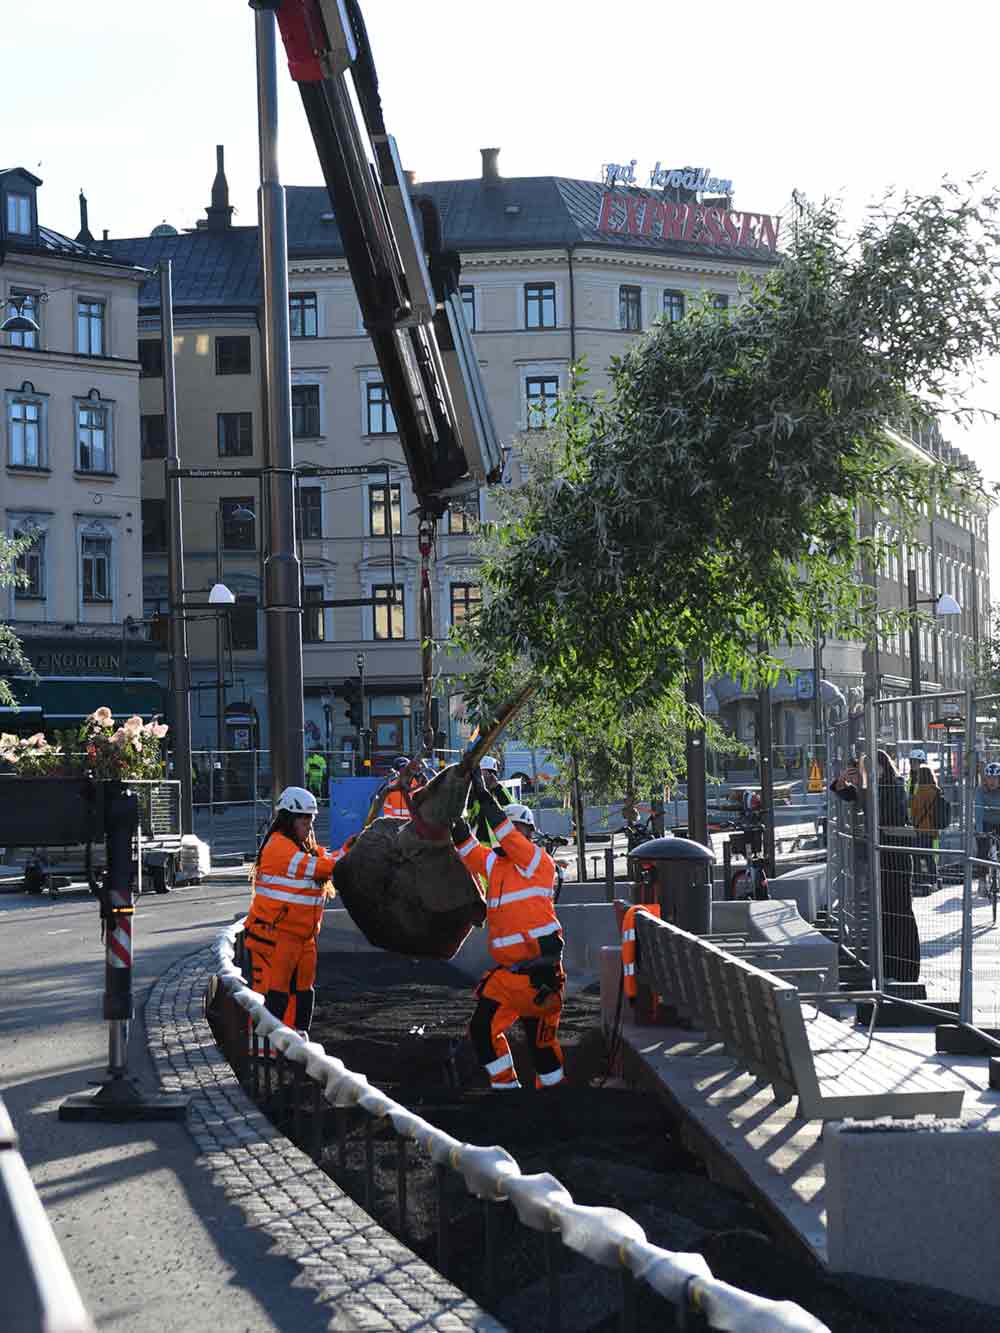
(491, 166)
(219, 213)
(83, 235)
(105, 236)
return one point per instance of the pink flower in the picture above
(38, 740)
(121, 737)
(133, 726)
(159, 729)
(102, 716)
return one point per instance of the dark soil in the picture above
(402, 1023)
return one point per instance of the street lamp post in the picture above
(180, 690)
(282, 592)
(945, 605)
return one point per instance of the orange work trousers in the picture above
(505, 998)
(283, 970)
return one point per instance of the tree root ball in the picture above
(408, 894)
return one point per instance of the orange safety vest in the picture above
(520, 894)
(286, 888)
(628, 945)
(395, 804)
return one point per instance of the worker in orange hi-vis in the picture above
(408, 775)
(525, 940)
(291, 884)
(629, 980)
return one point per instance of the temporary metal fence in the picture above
(39, 1291)
(303, 1078)
(913, 878)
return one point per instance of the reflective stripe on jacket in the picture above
(287, 885)
(631, 982)
(520, 894)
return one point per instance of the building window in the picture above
(313, 626)
(19, 214)
(235, 431)
(232, 356)
(542, 392)
(310, 512)
(96, 559)
(93, 438)
(154, 525)
(305, 411)
(23, 303)
(90, 327)
(389, 620)
(463, 515)
(673, 307)
(153, 435)
(384, 510)
(466, 599)
(25, 419)
(630, 309)
(720, 301)
(150, 358)
(468, 295)
(379, 415)
(302, 315)
(243, 622)
(237, 523)
(31, 563)
(539, 305)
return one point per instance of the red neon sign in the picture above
(655, 219)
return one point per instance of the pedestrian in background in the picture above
(489, 774)
(291, 883)
(987, 813)
(925, 803)
(900, 937)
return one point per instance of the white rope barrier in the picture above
(605, 1236)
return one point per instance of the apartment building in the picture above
(70, 476)
(554, 271)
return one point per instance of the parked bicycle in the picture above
(750, 881)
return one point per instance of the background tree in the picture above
(11, 652)
(707, 505)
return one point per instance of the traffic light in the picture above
(351, 691)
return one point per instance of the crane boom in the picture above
(406, 283)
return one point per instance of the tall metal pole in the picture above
(220, 686)
(179, 672)
(282, 583)
(766, 775)
(818, 737)
(917, 721)
(967, 977)
(697, 800)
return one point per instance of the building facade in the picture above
(70, 475)
(554, 272)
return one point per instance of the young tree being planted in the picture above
(707, 505)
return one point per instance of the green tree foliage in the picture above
(708, 504)
(11, 653)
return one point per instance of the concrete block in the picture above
(915, 1202)
(778, 923)
(806, 886)
(950, 1039)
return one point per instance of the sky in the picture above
(127, 99)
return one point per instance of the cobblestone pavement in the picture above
(366, 1278)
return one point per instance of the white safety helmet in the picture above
(519, 814)
(298, 801)
(489, 764)
(918, 756)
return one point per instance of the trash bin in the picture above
(681, 871)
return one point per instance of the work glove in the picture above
(547, 980)
(460, 832)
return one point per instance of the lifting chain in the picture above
(426, 536)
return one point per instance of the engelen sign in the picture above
(650, 218)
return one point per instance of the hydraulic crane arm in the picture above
(412, 313)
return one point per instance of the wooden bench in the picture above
(834, 1069)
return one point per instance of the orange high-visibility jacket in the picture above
(286, 890)
(520, 894)
(628, 945)
(395, 804)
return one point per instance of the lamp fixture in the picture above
(20, 322)
(219, 595)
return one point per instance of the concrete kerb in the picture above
(373, 1283)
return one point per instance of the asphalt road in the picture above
(153, 1246)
